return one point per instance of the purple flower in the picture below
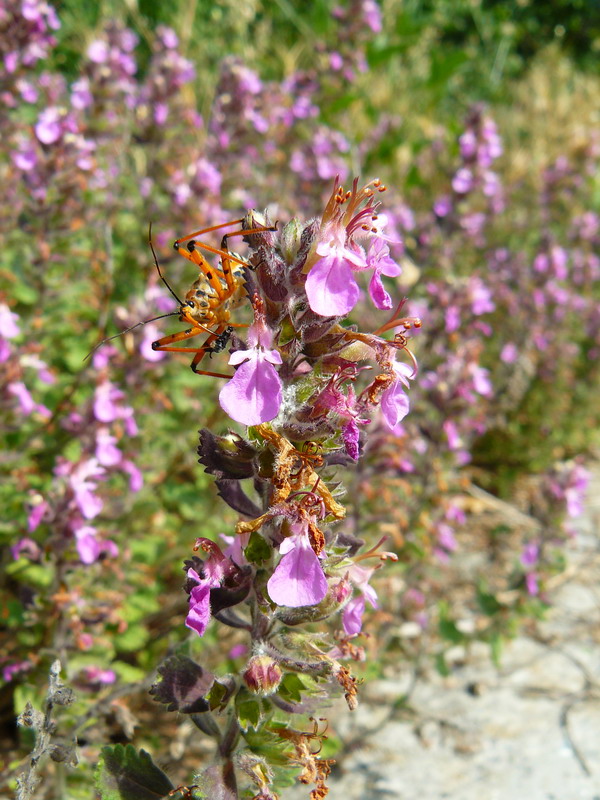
(481, 297)
(254, 393)
(371, 14)
(83, 483)
(378, 259)
(442, 206)
(353, 612)
(87, 544)
(36, 515)
(531, 582)
(452, 434)
(98, 51)
(99, 675)
(394, 401)
(81, 95)
(107, 407)
(481, 380)
(199, 612)
(27, 546)
(107, 453)
(350, 436)
(8, 322)
(462, 182)
(26, 401)
(530, 554)
(509, 353)
(298, 579)
(330, 285)
(136, 479)
(9, 671)
(48, 128)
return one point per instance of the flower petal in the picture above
(199, 614)
(352, 616)
(394, 406)
(331, 288)
(298, 579)
(379, 296)
(253, 395)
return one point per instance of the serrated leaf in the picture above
(125, 774)
(183, 685)
(291, 688)
(221, 693)
(248, 710)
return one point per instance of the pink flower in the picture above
(330, 285)
(509, 353)
(88, 546)
(394, 401)
(28, 546)
(452, 434)
(215, 569)
(254, 393)
(98, 51)
(8, 322)
(107, 407)
(378, 259)
(199, 612)
(36, 515)
(48, 128)
(353, 612)
(151, 334)
(99, 675)
(531, 582)
(530, 554)
(83, 483)
(136, 479)
(26, 401)
(298, 579)
(107, 453)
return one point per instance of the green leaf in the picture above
(291, 688)
(220, 693)
(441, 666)
(132, 639)
(487, 602)
(39, 576)
(257, 551)
(450, 632)
(125, 774)
(248, 710)
(24, 294)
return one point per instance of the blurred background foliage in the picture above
(76, 268)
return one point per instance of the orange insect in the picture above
(212, 297)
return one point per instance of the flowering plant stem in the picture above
(286, 572)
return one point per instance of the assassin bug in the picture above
(212, 297)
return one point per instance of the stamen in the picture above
(382, 555)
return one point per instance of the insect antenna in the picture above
(130, 328)
(160, 275)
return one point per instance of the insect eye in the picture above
(190, 304)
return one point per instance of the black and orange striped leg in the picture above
(244, 232)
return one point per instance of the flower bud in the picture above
(291, 238)
(262, 675)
